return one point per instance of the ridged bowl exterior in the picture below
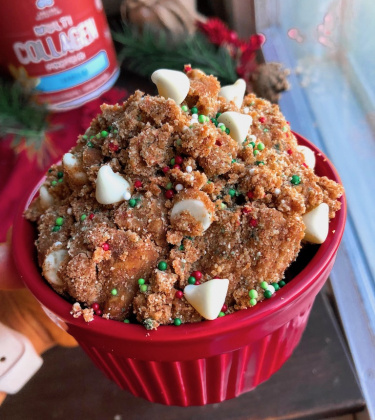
(194, 364)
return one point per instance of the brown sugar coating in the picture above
(110, 254)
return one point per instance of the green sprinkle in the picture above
(227, 130)
(253, 302)
(275, 286)
(264, 285)
(222, 127)
(223, 206)
(277, 146)
(267, 294)
(209, 182)
(141, 281)
(194, 110)
(53, 183)
(234, 160)
(177, 322)
(232, 192)
(169, 186)
(184, 108)
(114, 292)
(252, 143)
(91, 137)
(59, 221)
(191, 280)
(259, 162)
(252, 103)
(162, 266)
(110, 128)
(56, 228)
(126, 321)
(296, 179)
(49, 171)
(281, 283)
(83, 217)
(115, 131)
(266, 130)
(89, 144)
(84, 137)
(218, 115)
(173, 161)
(255, 152)
(98, 136)
(143, 287)
(253, 294)
(285, 129)
(181, 248)
(179, 142)
(60, 180)
(260, 146)
(221, 314)
(132, 202)
(60, 174)
(202, 118)
(104, 133)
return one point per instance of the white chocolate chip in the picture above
(110, 186)
(171, 84)
(196, 208)
(51, 265)
(207, 298)
(234, 92)
(316, 224)
(46, 199)
(309, 156)
(73, 168)
(237, 123)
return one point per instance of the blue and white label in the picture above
(75, 76)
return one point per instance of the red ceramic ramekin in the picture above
(193, 364)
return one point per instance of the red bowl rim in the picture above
(31, 275)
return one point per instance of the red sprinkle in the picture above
(176, 166)
(178, 160)
(197, 283)
(138, 184)
(290, 151)
(288, 122)
(253, 222)
(218, 143)
(98, 312)
(216, 277)
(187, 68)
(304, 164)
(179, 294)
(165, 169)
(250, 194)
(95, 306)
(197, 275)
(113, 147)
(105, 247)
(91, 216)
(262, 120)
(169, 194)
(246, 210)
(224, 308)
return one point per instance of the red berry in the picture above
(91, 216)
(95, 306)
(290, 151)
(165, 169)
(138, 184)
(218, 143)
(113, 147)
(197, 275)
(105, 247)
(176, 166)
(179, 294)
(178, 160)
(224, 308)
(98, 312)
(250, 194)
(197, 283)
(253, 222)
(262, 120)
(246, 210)
(169, 194)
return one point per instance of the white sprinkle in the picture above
(194, 116)
(183, 260)
(127, 195)
(271, 289)
(252, 138)
(277, 191)
(246, 109)
(193, 121)
(185, 128)
(259, 254)
(189, 169)
(57, 243)
(69, 211)
(220, 124)
(252, 171)
(179, 187)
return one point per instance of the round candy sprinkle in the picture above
(165, 169)
(189, 169)
(253, 302)
(59, 221)
(289, 151)
(138, 184)
(194, 110)
(197, 283)
(95, 306)
(255, 152)
(169, 186)
(114, 292)
(127, 196)
(222, 127)
(98, 136)
(285, 129)
(262, 120)
(98, 312)
(169, 194)
(91, 216)
(184, 108)
(176, 166)
(224, 308)
(197, 275)
(83, 217)
(132, 202)
(260, 146)
(60, 174)
(281, 283)
(84, 137)
(181, 248)
(246, 210)
(113, 147)
(253, 294)
(253, 222)
(227, 130)
(234, 160)
(223, 206)
(218, 115)
(296, 179)
(179, 142)
(179, 187)
(232, 192)
(264, 285)
(141, 281)
(192, 280)
(275, 286)
(60, 180)
(259, 162)
(89, 144)
(267, 294)
(143, 287)
(202, 118)
(162, 266)
(172, 161)
(179, 294)
(126, 321)
(56, 228)
(271, 289)
(221, 314)
(178, 160)
(105, 246)
(177, 322)
(250, 194)
(104, 133)
(266, 130)
(53, 183)
(214, 120)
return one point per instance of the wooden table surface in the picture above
(316, 382)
